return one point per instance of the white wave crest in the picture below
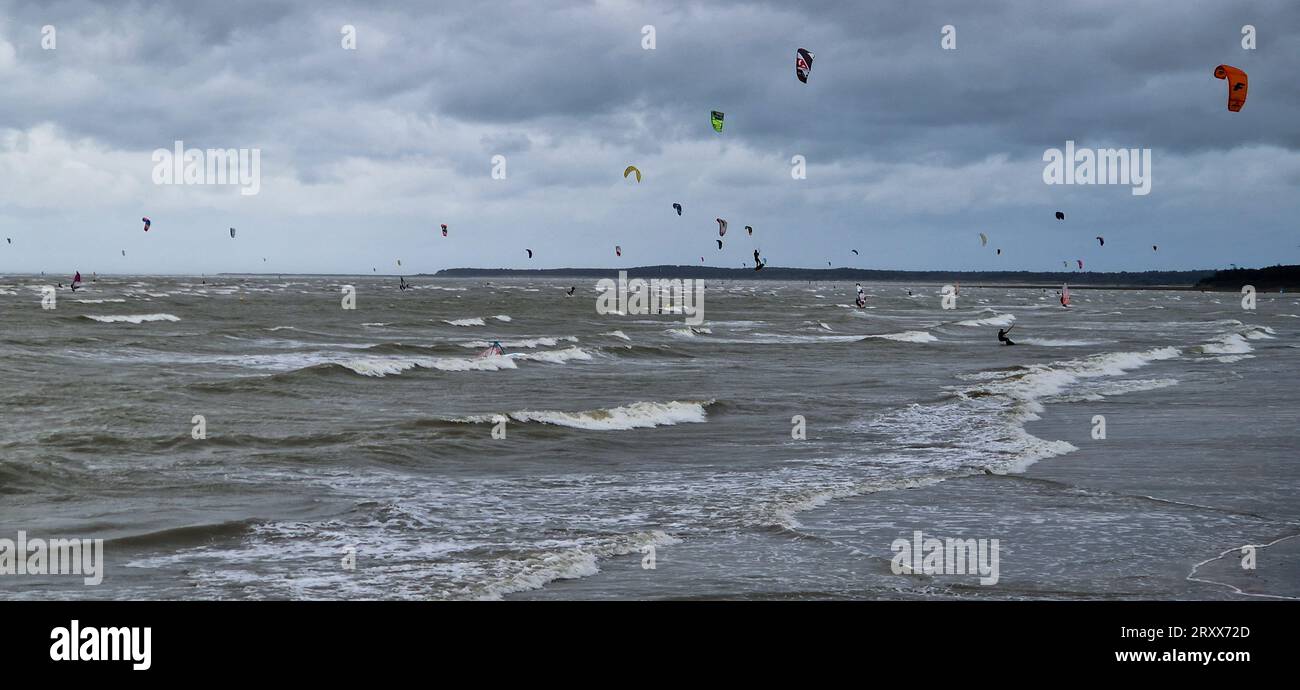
(387, 366)
(1001, 321)
(638, 415)
(132, 318)
(523, 342)
(908, 337)
(553, 356)
(1227, 344)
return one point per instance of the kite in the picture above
(679, 208)
(444, 229)
(530, 253)
(632, 169)
(719, 243)
(618, 251)
(1060, 215)
(1080, 264)
(147, 223)
(999, 252)
(1154, 248)
(854, 251)
(722, 227)
(1102, 240)
(802, 64)
(1236, 85)
(984, 240)
(232, 233)
(716, 118)
(749, 229)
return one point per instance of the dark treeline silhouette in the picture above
(1270, 279)
(1185, 279)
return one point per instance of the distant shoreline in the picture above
(1161, 280)
(1266, 279)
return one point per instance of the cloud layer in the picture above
(911, 149)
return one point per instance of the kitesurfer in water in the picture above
(571, 290)
(1002, 336)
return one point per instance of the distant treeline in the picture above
(1269, 279)
(1122, 279)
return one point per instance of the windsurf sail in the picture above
(494, 350)
(1065, 295)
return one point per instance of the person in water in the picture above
(571, 290)
(1002, 336)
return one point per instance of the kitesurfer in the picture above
(1002, 336)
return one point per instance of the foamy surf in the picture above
(466, 322)
(569, 563)
(983, 427)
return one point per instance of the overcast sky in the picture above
(911, 150)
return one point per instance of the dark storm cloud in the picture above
(1026, 74)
